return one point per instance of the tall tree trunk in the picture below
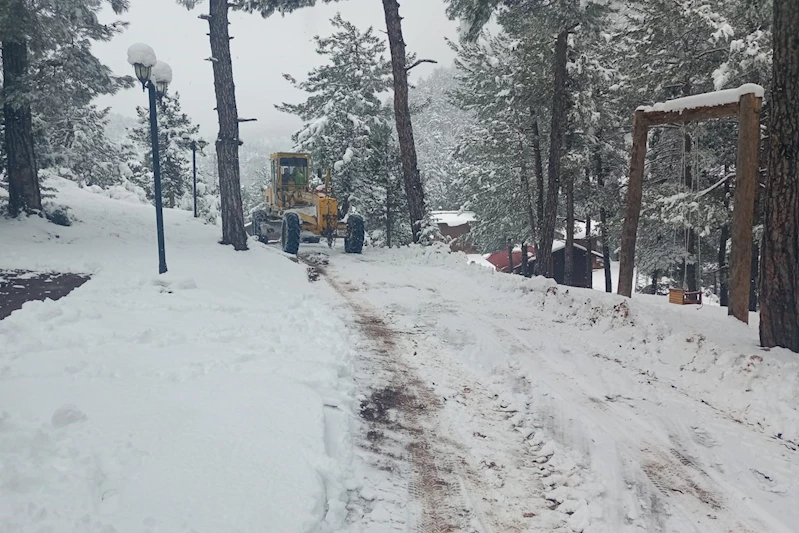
(779, 289)
(410, 169)
(589, 262)
(389, 214)
(568, 271)
(559, 108)
(722, 259)
(603, 229)
(227, 143)
(23, 179)
(525, 266)
(690, 245)
(528, 193)
(754, 275)
(539, 171)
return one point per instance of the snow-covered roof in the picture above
(453, 218)
(713, 99)
(478, 259)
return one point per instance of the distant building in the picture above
(502, 262)
(456, 225)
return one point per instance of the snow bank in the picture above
(717, 98)
(712, 357)
(193, 401)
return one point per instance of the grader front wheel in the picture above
(353, 242)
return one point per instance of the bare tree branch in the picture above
(419, 62)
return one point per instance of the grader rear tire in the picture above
(290, 233)
(353, 242)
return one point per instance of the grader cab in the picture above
(295, 212)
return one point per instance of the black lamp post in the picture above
(194, 144)
(155, 77)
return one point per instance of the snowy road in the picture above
(398, 390)
(504, 412)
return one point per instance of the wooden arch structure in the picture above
(746, 103)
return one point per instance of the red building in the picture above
(501, 261)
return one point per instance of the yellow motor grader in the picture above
(293, 212)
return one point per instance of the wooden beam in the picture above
(658, 118)
(746, 169)
(635, 187)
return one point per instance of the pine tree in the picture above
(438, 121)
(500, 159)
(83, 152)
(173, 125)
(38, 38)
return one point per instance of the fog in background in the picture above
(263, 49)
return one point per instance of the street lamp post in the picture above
(194, 173)
(194, 144)
(155, 76)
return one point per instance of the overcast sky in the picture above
(263, 49)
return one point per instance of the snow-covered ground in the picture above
(203, 400)
(574, 410)
(405, 390)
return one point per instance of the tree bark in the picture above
(528, 193)
(603, 220)
(389, 214)
(23, 178)
(779, 294)
(568, 271)
(227, 143)
(632, 213)
(722, 258)
(539, 171)
(589, 262)
(754, 275)
(559, 108)
(410, 168)
(525, 265)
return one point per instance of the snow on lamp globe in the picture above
(162, 76)
(143, 59)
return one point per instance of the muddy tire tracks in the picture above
(402, 418)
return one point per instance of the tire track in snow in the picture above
(437, 503)
(454, 485)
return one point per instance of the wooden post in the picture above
(746, 169)
(632, 214)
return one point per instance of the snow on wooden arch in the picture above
(746, 102)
